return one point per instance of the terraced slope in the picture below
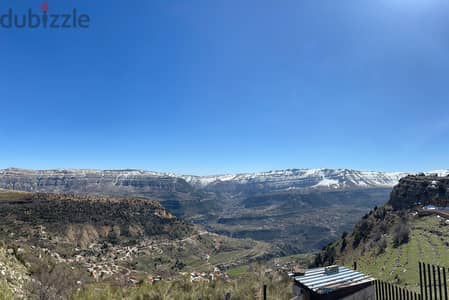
(428, 242)
(389, 242)
(63, 242)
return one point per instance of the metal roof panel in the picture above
(318, 281)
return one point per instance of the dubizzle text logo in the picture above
(44, 19)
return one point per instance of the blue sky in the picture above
(222, 86)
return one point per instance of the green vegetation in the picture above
(234, 272)
(13, 274)
(55, 245)
(248, 286)
(296, 221)
(428, 243)
(391, 249)
(293, 214)
(390, 241)
(5, 291)
(12, 195)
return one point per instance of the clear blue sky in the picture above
(229, 86)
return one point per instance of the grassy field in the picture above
(248, 286)
(11, 195)
(429, 237)
(5, 291)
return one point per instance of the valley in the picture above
(298, 210)
(52, 244)
(69, 243)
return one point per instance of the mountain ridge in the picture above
(279, 179)
(284, 207)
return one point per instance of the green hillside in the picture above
(390, 241)
(428, 243)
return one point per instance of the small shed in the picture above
(333, 283)
(429, 207)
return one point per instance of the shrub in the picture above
(5, 292)
(401, 232)
(343, 245)
(381, 245)
(53, 282)
(361, 232)
(249, 287)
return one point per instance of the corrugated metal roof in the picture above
(320, 282)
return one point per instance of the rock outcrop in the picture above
(420, 190)
(87, 219)
(106, 182)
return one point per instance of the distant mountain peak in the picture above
(304, 178)
(89, 180)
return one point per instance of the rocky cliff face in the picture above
(298, 179)
(132, 182)
(108, 182)
(421, 190)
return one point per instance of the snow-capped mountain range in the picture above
(291, 179)
(307, 178)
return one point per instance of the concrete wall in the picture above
(299, 294)
(368, 293)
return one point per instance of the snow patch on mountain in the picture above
(441, 173)
(325, 182)
(277, 180)
(305, 178)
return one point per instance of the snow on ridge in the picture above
(325, 182)
(84, 172)
(281, 179)
(313, 177)
(441, 173)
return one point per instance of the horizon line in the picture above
(211, 175)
